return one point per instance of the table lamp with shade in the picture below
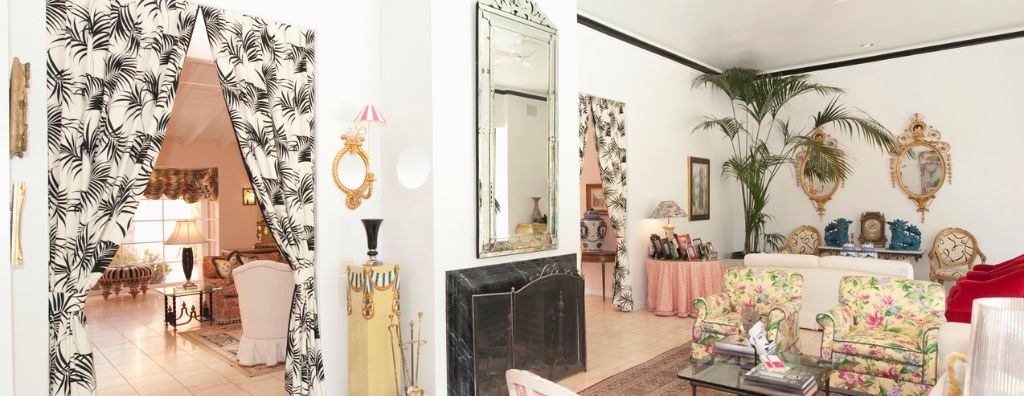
(186, 232)
(668, 210)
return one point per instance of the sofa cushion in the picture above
(724, 324)
(882, 344)
(234, 260)
(769, 260)
(869, 266)
(900, 371)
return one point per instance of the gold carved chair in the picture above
(954, 251)
(804, 239)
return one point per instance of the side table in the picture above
(602, 257)
(173, 316)
(672, 285)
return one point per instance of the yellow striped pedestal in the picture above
(372, 294)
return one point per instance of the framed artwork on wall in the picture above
(595, 198)
(700, 188)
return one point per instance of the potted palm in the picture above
(763, 140)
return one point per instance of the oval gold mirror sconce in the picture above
(922, 165)
(353, 155)
(817, 190)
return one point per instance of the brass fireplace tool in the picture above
(410, 376)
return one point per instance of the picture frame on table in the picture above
(712, 253)
(656, 246)
(698, 245)
(700, 188)
(683, 240)
(595, 198)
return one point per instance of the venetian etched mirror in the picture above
(516, 143)
(922, 165)
(817, 189)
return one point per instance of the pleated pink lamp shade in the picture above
(370, 115)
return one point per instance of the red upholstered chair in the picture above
(983, 272)
(962, 296)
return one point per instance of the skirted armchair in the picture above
(774, 294)
(883, 337)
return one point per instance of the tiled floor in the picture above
(134, 355)
(617, 340)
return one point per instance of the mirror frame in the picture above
(354, 196)
(920, 134)
(533, 22)
(802, 180)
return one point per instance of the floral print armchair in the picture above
(774, 294)
(883, 338)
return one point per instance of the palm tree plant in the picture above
(763, 140)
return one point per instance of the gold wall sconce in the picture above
(354, 138)
(20, 75)
(17, 206)
(248, 196)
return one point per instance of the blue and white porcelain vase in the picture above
(868, 250)
(592, 231)
(849, 250)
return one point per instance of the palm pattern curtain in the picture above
(112, 69)
(607, 118)
(266, 73)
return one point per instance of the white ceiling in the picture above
(199, 112)
(778, 34)
(519, 62)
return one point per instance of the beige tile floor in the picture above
(134, 355)
(618, 340)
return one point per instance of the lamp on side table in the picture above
(186, 232)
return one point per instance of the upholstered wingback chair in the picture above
(883, 337)
(265, 291)
(525, 383)
(774, 294)
(954, 251)
(803, 240)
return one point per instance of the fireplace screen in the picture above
(539, 328)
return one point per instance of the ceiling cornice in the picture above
(647, 45)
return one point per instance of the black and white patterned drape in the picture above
(111, 71)
(266, 73)
(607, 118)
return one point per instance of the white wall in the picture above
(661, 110)
(454, 104)
(6, 339)
(348, 76)
(972, 95)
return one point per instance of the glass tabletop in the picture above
(725, 372)
(178, 291)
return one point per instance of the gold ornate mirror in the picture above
(817, 190)
(352, 168)
(923, 164)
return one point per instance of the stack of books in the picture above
(781, 383)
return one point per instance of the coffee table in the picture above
(173, 316)
(724, 373)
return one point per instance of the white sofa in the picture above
(822, 275)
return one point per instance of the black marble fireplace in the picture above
(527, 315)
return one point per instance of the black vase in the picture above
(372, 227)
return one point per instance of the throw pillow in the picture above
(956, 367)
(225, 266)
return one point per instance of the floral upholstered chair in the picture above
(804, 239)
(954, 251)
(883, 337)
(774, 294)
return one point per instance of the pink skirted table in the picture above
(672, 285)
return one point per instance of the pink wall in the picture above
(237, 221)
(592, 175)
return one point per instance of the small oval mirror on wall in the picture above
(922, 165)
(818, 189)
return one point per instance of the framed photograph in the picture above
(684, 246)
(698, 245)
(712, 253)
(700, 188)
(595, 198)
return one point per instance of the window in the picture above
(153, 223)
